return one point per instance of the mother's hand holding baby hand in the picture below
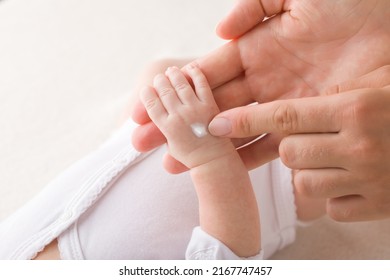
(340, 143)
(305, 47)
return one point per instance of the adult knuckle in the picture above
(317, 152)
(285, 118)
(315, 187)
(307, 153)
(329, 187)
(326, 187)
(363, 107)
(367, 150)
(245, 124)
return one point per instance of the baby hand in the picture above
(183, 115)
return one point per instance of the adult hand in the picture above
(305, 47)
(340, 144)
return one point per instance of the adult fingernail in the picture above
(220, 127)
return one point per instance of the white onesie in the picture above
(118, 203)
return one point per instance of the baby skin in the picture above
(227, 204)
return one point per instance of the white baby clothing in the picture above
(118, 203)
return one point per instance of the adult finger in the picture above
(139, 114)
(148, 137)
(325, 183)
(172, 165)
(306, 115)
(233, 94)
(246, 15)
(309, 151)
(221, 65)
(152, 133)
(354, 208)
(376, 79)
(260, 151)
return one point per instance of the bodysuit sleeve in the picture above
(203, 246)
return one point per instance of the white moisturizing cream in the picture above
(199, 130)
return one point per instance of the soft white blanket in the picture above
(66, 70)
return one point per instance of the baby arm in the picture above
(227, 204)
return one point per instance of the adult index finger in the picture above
(304, 115)
(221, 65)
